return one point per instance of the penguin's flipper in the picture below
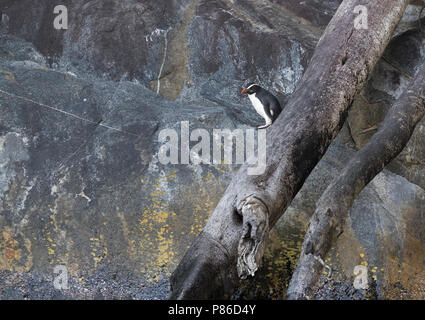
(267, 110)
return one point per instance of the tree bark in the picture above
(232, 242)
(333, 206)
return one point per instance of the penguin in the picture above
(265, 103)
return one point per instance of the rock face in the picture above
(81, 184)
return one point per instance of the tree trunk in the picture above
(335, 203)
(232, 243)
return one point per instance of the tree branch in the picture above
(339, 68)
(333, 206)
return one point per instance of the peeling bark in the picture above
(333, 206)
(251, 246)
(229, 247)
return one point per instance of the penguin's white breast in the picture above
(258, 106)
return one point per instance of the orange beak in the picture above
(243, 91)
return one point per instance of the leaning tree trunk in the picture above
(232, 242)
(333, 206)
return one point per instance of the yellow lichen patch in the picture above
(199, 216)
(159, 227)
(50, 245)
(98, 248)
(157, 244)
(11, 252)
(166, 251)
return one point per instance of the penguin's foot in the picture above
(265, 126)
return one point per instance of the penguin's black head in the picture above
(251, 88)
